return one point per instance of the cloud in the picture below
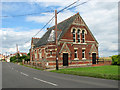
(40, 19)
(14, 37)
(100, 16)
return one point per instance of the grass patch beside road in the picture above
(31, 67)
(106, 72)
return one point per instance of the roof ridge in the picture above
(35, 38)
(65, 19)
(63, 25)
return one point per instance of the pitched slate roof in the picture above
(35, 40)
(63, 26)
(62, 29)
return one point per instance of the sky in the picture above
(101, 16)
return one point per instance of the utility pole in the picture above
(56, 39)
(17, 52)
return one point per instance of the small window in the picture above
(83, 53)
(50, 53)
(75, 53)
(35, 53)
(78, 34)
(73, 35)
(78, 31)
(39, 54)
(83, 36)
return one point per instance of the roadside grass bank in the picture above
(105, 72)
(31, 66)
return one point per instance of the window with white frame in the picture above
(35, 53)
(78, 35)
(73, 35)
(50, 53)
(39, 53)
(83, 53)
(75, 55)
(83, 36)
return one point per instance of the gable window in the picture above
(73, 35)
(35, 53)
(83, 53)
(78, 34)
(75, 56)
(83, 36)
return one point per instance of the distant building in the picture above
(76, 45)
(11, 55)
(20, 53)
(2, 57)
(8, 58)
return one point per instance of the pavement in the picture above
(18, 76)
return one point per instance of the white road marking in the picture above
(23, 74)
(45, 81)
(12, 68)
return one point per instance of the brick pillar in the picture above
(23, 61)
(28, 62)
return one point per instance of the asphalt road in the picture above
(17, 76)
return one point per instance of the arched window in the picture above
(73, 35)
(75, 54)
(39, 53)
(78, 34)
(83, 36)
(35, 53)
(83, 53)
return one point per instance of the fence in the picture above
(105, 62)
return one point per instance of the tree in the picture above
(116, 59)
(13, 59)
(20, 58)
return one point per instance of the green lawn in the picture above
(107, 72)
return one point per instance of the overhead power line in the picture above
(78, 5)
(42, 28)
(27, 14)
(52, 18)
(61, 11)
(66, 8)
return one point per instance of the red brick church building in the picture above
(76, 45)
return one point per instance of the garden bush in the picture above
(116, 59)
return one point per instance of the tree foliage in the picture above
(116, 59)
(19, 58)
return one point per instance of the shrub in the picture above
(116, 59)
(12, 59)
(20, 58)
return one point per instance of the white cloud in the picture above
(100, 16)
(14, 37)
(40, 19)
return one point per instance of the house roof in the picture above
(62, 28)
(35, 40)
(20, 53)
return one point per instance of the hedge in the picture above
(116, 59)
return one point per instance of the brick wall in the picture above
(67, 42)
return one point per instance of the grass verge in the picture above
(106, 72)
(31, 67)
